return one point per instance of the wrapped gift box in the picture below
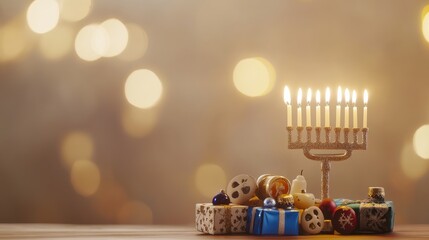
(372, 217)
(267, 221)
(222, 219)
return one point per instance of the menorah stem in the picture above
(326, 167)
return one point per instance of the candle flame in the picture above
(286, 95)
(309, 96)
(339, 95)
(318, 97)
(354, 97)
(327, 95)
(347, 96)
(365, 97)
(299, 97)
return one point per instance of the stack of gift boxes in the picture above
(271, 205)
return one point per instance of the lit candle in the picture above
(354, 96)
(327, 98)
(338, 113)
(299, 111)
(365, 102)
(287, 99)
(308, 109)
(318, 108)
(346, 109)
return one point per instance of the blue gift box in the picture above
(267, 221)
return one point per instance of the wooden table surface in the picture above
(60, 231)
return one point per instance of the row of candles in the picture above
(287, 99)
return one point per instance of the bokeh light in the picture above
(56, 43)
(138, 42)
(14, 40)
(100, 40)
(138, 122)
(209, 179)
(254, 76)
(135, 212)
(425, 23)
(74, 10)
(412, 165)
(117, 35)
(43, 15)
(76, 146)
(421, 141)
(85, 177)
(84, 43)
(143, 88)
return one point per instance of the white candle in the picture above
(308, 109)
(299, 185)
(354, 96)
(346, 109)
(318, 108)
(338, 113)
(299, 111)
(287, 99)
(327, 98)
(365, 102)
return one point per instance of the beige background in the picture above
(202, 118)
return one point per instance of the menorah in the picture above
(341, 135)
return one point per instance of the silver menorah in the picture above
(337, 138)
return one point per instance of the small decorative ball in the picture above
(312, 220)
(241, 188)
(285, 201)
(344, 220)
(328, 207)
(221, 198)
(269, 203)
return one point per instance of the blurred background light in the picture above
(254, 76)
(74, 10)
(143, 88)
(15, 41)
(85, 177)
(210, 179)
(135, 212)
(100, 40)
(117, 37)
(425, 23)
(412, 165)
(138, 122)
(138, 42)
(421, 141)
(84, 43)
(75, 146)
(56, 43)
(43, 15)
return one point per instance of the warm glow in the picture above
(143, 88)
(365, 97)
(84, 43)
(209, 179)
(100, 40)
(74, 10)
(286, 95)
(135, 212)
(412, 165)
(309, 96)
(43, 15)
(354, 97)
(138, 122)
(254, 77)
(347, 96)
(85, 177)
(14, 40)
(327, 95)
(116, 38)
(138, 42)
(425, 23)
(421, 141)
(318, 97)
(339, 95)
(76, 146)
(56, 43)
(299, 97)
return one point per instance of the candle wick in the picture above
(302, 171)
